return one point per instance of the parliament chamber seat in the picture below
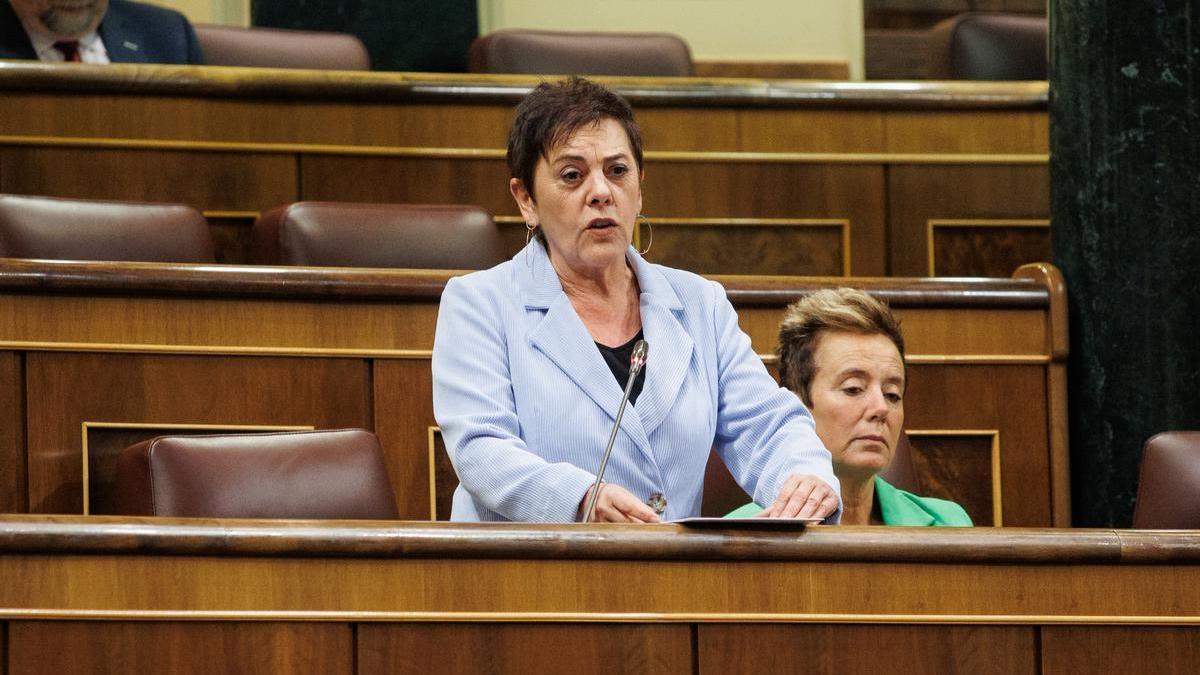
(985, 46)
(337, 474)
(1168, 495)
(278, 48)
(77, 229)
(416, 236)
(540, 52)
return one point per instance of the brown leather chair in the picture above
(542, 52)
(420, 236)
(988, 46)
(336, 474)
(277, 48)
(78, 229)
(1168, 496)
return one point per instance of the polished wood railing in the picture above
(186, 595)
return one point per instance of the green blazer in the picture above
(898, 508)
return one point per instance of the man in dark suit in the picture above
(95, 31)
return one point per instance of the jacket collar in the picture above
(121, 44)
(899, 507)
(561, 336)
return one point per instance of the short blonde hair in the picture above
(841, 309)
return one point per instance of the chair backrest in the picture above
(901, 472)
(419, 236)
(336, 474)
(78, 229)
(986, 46)
(278, 48)
(566, 53)
(1168, 495)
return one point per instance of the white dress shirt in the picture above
(91, 48)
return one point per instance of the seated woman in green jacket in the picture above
(842, 353)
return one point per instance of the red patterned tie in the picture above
(69, 49)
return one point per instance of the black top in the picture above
(617, 359)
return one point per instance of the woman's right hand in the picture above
(618, 505)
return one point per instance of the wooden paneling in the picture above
(12, 434)
(403, 412)
(986, 248)
(777, 70)
(70, 647)
(958, 467)
(808, 248)
(919, 194)
(974, 132)
(483, 181)
(1148, 650)
(931, 333)
(776, 190)
(210, 181)
(66, 390)
(524, 648)
(445, 480)
(849, 649)
(218, 324)
(231, 234)
(261, 120)
(992, 397)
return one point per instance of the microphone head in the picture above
(638, 359)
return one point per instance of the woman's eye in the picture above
(571, 176)
(852, 391)
(893, 397)
(618, 170)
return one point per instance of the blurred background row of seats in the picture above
(321, 234)
(971, 46)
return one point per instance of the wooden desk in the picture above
(742, 176)
(96, 356)
(151, 595)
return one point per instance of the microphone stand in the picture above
(636, 362)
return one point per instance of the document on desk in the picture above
(749, 522)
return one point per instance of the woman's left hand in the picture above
(803, 496)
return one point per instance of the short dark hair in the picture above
(555, 110)
(844, 309)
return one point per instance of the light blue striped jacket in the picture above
(526, 402)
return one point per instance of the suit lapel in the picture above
(14, 43)
(562, 337)
(122, 45)
(669, 342)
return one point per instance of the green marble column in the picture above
(1124, 135)
(412, 35)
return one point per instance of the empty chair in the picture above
(78, 229)
(336, 474)
(983, 46)
(421, 236)
(278, 48)
(1168, 495)
(566, 53)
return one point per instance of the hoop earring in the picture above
(641, 218)
(530, 228)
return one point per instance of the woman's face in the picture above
(589, 193)
(857, 396)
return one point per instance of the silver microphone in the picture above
(636, 362)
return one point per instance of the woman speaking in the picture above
(531, 358)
